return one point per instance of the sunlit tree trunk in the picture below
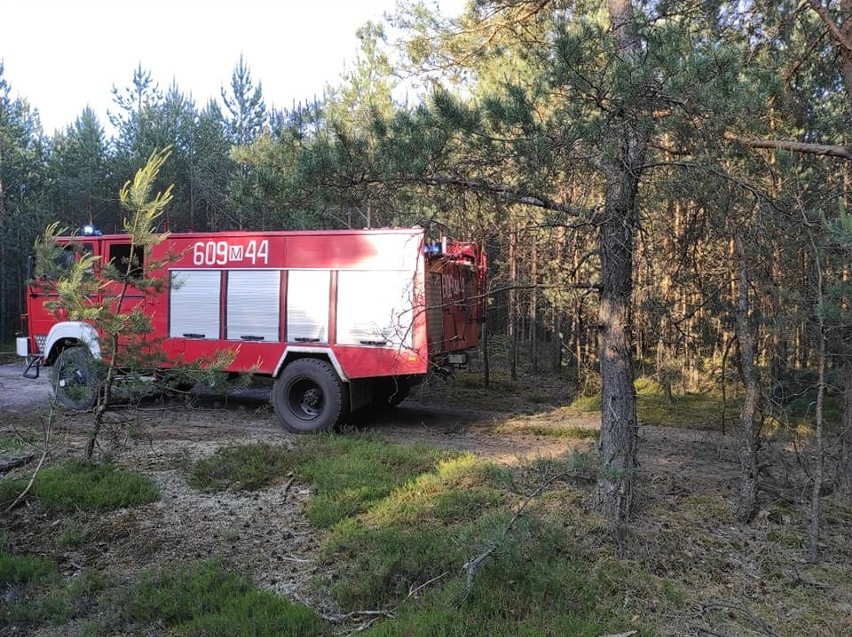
(622, 166)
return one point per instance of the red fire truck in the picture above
(339, 319)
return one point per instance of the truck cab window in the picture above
(66, 258)
(68, 255)
(120, 257)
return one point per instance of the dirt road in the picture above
(19, 394)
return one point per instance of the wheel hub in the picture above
(306, 400)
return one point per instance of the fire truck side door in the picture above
(42, 293)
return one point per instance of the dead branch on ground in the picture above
(372, 616)
(471, 566)
(48, 431)
(13, 463)
(757, 622)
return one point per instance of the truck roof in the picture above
(413, 230)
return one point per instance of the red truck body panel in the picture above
(384, 302)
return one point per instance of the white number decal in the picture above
(263, 251)
(222, 252)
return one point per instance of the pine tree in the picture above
(245, 105)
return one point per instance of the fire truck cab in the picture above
(339, 319)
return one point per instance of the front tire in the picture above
(309, 396)
(74, 379)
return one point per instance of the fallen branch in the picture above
(417, 589)
(801, 580)
(707, 631)
(753, 617)
(288, 485)
(471, 566)
(339, 618)
(371, 616)
(7, 465)
(48, 430)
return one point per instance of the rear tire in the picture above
(74, 379)
(309, 396)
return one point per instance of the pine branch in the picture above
(826, 150)
(833, 28)
(510, 194)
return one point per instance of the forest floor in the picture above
(737, 579)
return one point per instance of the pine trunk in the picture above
(534, 304)
(619, 428)
(819, 465)
(622, 166)
(747, 500)
(845, 468)
(513, 305)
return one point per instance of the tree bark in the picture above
(819, 464)
(619, 427)
(513, 304)
(747, 501)
(622, 166)
(534, 304)
(844, 470)
(807, 148)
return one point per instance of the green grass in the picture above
(693, 411)
(25, 569)
(240, 468)
(205, 599)
(587, 403)
(84, 486)
(353, 472)
(528, 394)
(34, 592)
(401, 516)
(551, 430)
(508, 600)
(72, 536)
(11, 444)
(705, 410)
(534, 583)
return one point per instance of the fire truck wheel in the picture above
(308, 396)
(74, 379)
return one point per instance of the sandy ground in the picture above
(265, 533)
(18, 394)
